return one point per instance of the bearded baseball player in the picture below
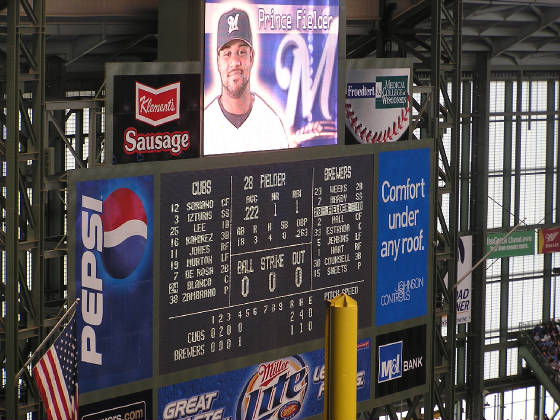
(239, 120)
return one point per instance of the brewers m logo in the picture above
(233, 23)
(158, 106)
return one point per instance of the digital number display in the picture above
(249, 255)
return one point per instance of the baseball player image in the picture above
(238, 119)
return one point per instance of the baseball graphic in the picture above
(377, 108)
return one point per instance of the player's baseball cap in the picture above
(234, 24)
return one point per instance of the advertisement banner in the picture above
(401, 360)
(549, 240)
(114, 280)
(377, 106)
(403, 222)
(136, 406)
(270, 74)
(517, 244)
(464, 289)
(287, 388)
(154, 116)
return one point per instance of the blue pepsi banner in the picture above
(403, 222)
(401, 360)
(287, 388)
(270, 74)
(114, 280)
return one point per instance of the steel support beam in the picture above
(548, 194)
(445, 75)
(479, 208)
(24, 198)
(12, 203)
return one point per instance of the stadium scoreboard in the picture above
(212, 278)
(252, 248)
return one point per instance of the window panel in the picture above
(511, 365)
(525, 302)
(497, 95)
(533, 144)
(491, 359)
(492, 319)
(495, 202)
(496, 146)
(531, 206)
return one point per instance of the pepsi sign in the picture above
(125, 232)
(114, 279)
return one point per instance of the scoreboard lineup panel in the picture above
(254, 246)
(245, 255)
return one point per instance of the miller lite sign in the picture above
(153, 112)
(549, 240)
(288, 388)
(275, 391)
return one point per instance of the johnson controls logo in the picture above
(276, 391)
(115, 232)
(390, 361)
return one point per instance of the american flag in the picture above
(56, 375)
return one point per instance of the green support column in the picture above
(37, 230)
(24, 195)
(506, 224)
(479, 208)
(446, 19)
(548, 194)
(12, 204)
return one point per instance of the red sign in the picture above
(549, 240)
(157, 106)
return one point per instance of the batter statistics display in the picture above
(249, 255)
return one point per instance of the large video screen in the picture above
(270, 75)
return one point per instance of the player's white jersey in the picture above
(262, 130)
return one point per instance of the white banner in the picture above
(464, 289)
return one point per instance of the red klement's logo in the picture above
(157, 106)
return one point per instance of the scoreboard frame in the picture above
(156, 169)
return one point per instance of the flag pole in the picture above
(49, 335)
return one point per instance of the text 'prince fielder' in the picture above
(239, 120)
